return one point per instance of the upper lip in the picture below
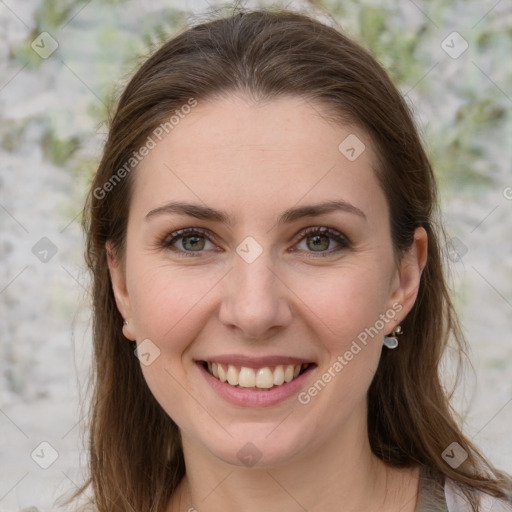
(255, 362)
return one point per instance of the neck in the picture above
(341, 475)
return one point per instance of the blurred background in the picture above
(62, 63)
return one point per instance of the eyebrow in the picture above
(288, 216)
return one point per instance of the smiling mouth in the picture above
(268, 377)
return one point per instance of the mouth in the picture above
(261, 378)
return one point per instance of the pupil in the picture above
(195, 240)
(317, 242)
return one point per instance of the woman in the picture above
(269, 302)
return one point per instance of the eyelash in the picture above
(167, 241)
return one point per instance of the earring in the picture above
(125, 322)
(392, 340)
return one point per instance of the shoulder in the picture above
(456, 502)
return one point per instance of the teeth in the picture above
(232, 375)
(222, 373)
(278, 375)
(288, 373)
(262, 378)
(247, 378)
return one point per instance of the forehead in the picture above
(232, 152)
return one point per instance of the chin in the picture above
(257, 447)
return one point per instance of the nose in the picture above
(255, 299)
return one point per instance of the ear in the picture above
(406, 282)
(117, 277)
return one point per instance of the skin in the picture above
(254, 161)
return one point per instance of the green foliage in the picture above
(158, 29)
(12, 134)
(25, 55)
(82, 174)
(408, 46)
(395, 49)
(456, 139)
(53, 13)
(56, 149)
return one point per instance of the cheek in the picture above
(347, 323)
(345, 308)
(344, 302)
(172, 304)
(169, 310)
(167, 302)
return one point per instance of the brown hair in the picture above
(136, 460)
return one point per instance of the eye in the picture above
(191, 240)
(319, 240)
(195, 240)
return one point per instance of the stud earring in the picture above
(392, 340)
(125, 322)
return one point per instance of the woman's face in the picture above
(248, 290)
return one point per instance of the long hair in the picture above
(135, 454)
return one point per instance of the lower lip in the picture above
(253, 398)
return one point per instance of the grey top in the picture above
(431, 495)
(434, 496)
